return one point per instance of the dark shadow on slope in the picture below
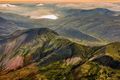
(108, 61)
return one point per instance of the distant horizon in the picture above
(54, 1)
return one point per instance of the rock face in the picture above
(14, 63)
(41, 53)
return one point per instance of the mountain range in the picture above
(59, 42)
(99, 24)
(41, 53)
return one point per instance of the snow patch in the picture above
(53, 17)
(39, 4)
(7, 5)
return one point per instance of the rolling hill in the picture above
(99, 24)
(7, 27)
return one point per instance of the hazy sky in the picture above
(59, 1)
(41, 10)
